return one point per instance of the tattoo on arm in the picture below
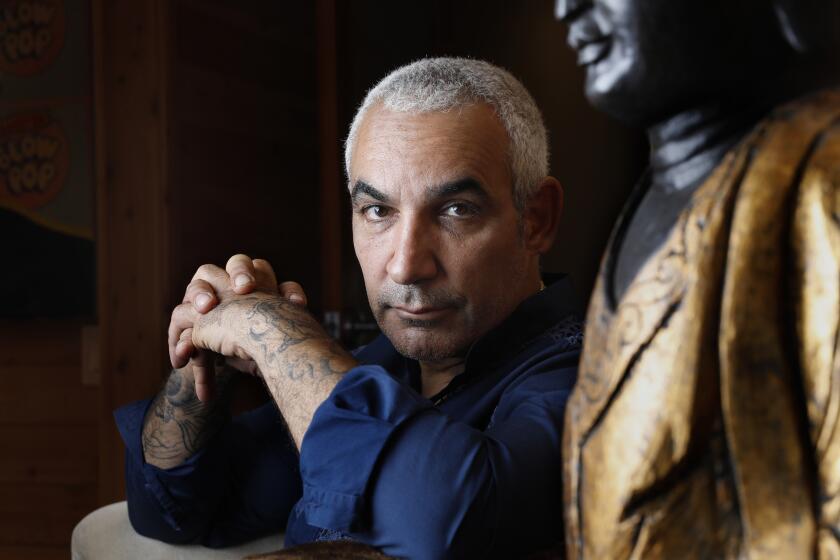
(299, 362)
(178, 424)
(275, 326)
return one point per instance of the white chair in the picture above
(107, 534)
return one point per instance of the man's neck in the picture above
(435, 376)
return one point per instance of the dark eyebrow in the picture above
(361, 188)
(461, 186)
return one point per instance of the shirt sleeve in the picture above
(241, 486)
(418, 484)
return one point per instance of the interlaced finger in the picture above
(204, 373)
(242, 276)
(266, 279)
(293, 292)
(201, 295)
(180, 348)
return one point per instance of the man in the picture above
(442, 437)
(705, 422)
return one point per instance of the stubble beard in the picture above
(418, 339)
(452, 337)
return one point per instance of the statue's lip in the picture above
(588, 40)
(593, 52)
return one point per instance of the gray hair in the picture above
(442, 84)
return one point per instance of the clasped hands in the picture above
(232, 313)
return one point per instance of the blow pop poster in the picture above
(31, 35)
(47, 190)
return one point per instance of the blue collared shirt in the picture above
(474, 471)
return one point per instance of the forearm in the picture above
(299, 362)
(301, 377)
(177, 424)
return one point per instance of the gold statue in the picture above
(705, 419)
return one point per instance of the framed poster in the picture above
(47, 207)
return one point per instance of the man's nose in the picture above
(567, 10)
(413, 259)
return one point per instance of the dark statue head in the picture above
(647, 59)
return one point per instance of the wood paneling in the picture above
(48, 439)
(48, 455)
(41, 395)
(219, 102)
(132, 42)
(269, 43)
(330, 158)
(36, 343)
(42, 515)
(33, 553)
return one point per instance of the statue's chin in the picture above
(634, 103)
(618, 106)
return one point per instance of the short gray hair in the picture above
(441, 84)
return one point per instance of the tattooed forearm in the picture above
(178, 424)
(298, 361)
(276, 326)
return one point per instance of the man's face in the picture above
(435, 229)
(646, 59)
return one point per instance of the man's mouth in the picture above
(421, 313)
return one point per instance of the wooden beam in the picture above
(330, 158)
(131, 89)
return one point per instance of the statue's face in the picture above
(645, 59)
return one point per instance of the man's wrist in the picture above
(279, 335)
(178, 424)
(310, 360)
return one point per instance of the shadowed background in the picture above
(216, 127)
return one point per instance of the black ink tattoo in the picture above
(178, 424)
(275, 326)
(298, 360)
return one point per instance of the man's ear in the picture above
(541, 216)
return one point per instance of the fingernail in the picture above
(296, 298)
(242, 280)
(202, 300)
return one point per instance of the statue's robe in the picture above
(706, 420)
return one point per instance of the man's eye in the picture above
(375, 212)
(459, 210)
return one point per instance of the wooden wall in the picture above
(132, 102)
(48, 439)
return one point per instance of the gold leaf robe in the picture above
(705, 419)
